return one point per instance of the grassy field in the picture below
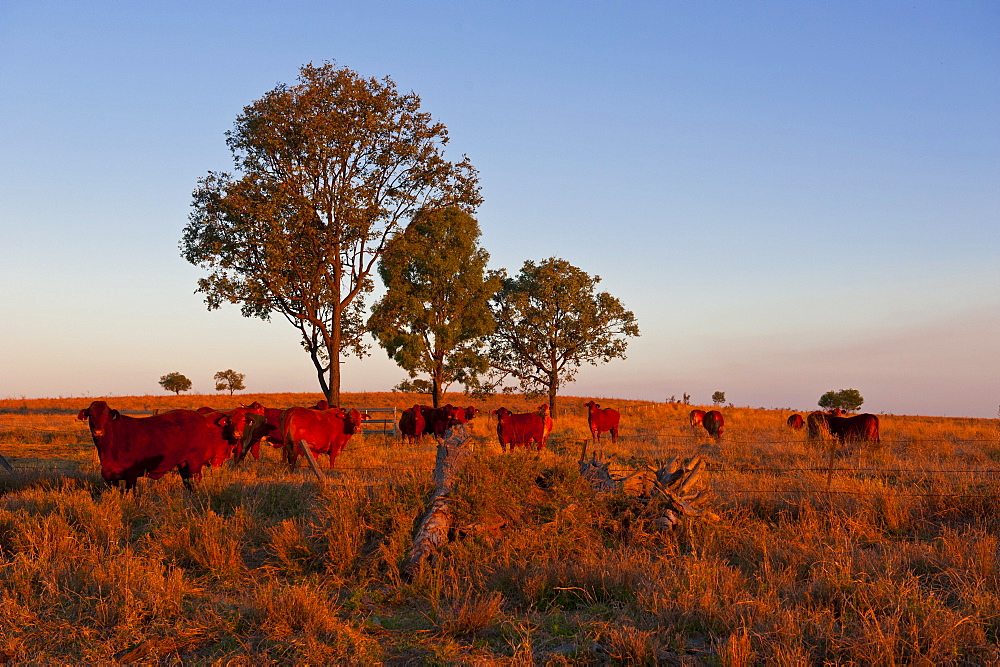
(896, 561)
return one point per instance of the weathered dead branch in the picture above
(680, 488)
(437, 524)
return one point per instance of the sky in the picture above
(792, 197)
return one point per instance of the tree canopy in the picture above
(327, 171)
(550, 321)
(435, 312)
(719, 397)
(845, 399)
(175, 382)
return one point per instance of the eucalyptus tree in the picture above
(327, 172)
(550, 321)
(435, 312)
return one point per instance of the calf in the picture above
(602, 419)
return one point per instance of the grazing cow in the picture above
(714, 424)
(602, 419)
(546, 413)
(860, 428)
(521, 428)
(796, 421)
(325, 431)
(696, 418)
(815, 424)
(130, 447)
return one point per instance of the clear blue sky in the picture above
(791, 196)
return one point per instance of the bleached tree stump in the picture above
(437, 524)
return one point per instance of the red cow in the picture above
(230, 432)
(860, 428)
(411, 424)
(325, 431)
(130, 447)
(444, 418)
(815, 424)
(602, 419)
(714, 424)
(519, 429)
(270, 431)
(796, 422)
(546, 413)
(696, 418)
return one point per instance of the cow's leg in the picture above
(185, 471)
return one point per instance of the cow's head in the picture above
(502, 413)
(470, 413)
(99, 415)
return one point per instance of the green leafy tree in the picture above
(327, 171)
(719, 397)
(435, 312)
(550, 321)
(229, 380)
(175, 382)
(845, 399)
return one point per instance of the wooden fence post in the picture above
(312, 462)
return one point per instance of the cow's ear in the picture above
(114, 414)
(223, 420)
(84, 414)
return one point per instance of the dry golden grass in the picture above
(896, 561)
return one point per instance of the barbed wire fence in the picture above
(669, 444)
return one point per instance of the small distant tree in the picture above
(845, 399)
(229, 379)
(719, 397)
(687, 399)
(175, 382)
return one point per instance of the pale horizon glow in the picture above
(791, 198)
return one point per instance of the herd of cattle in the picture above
(188, 440)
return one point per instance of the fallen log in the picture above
(437, 524)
